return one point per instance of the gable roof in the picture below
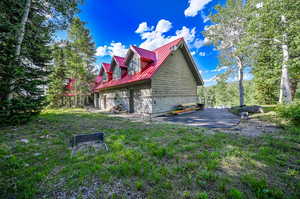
(161, 54)
(105, 67)
(147, 55)
(120, 61)
(98, 79)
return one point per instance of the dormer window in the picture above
(104, 76)
(134, 65)
(117, 72)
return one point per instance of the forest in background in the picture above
(225, 94)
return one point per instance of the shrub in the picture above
(290, 112)
(19, 110)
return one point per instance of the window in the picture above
(134, 65)
(117, 72)
(104, 76)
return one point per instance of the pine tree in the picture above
(81, 59)
(273, 28)
(26, 30)
(58, 76)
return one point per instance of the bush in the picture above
(19, 110)
(290, 112)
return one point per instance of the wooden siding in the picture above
(173, 84)
(174, 78)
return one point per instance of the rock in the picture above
(37, 154)
(252, 109)
(244, 115)
(24, 141)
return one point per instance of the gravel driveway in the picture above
(209, 117)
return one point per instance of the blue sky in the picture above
(117, 24)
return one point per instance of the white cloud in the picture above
(212, 79)
(219, 69)
(101, 51)
(143, 27)
(202, 54)
(200, 43)
(115, 48)
(204, 17)
(186, 33)
(163, 26)
(195, 6)
(156, 38)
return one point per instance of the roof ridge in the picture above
(181, 38)
(142, 48)
(119, 56)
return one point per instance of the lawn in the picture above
(144, 161)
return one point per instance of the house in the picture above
(148, 82)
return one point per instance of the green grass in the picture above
(145, 160)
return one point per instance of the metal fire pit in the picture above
(84, 138)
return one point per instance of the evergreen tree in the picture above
(26, 30)
(58, 76)
(273, 29)
(223, 97)
(226, 93)
(81, 59)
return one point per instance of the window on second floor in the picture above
(134, 65)
(104, 76)
(117, 73)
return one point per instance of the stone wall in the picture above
(141, 97)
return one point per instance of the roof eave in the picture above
(196, 73)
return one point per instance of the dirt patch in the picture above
(252, 127)
(96, 189)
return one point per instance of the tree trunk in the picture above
(20, 38)
(285, 87)
(21, 33)
(241, 79)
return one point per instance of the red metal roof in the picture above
(145, 54)
(69, 88)
(98, 79)
(161, 54)
(120, 61)
(70, 84)
(106, 67)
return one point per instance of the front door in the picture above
(131, 101)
